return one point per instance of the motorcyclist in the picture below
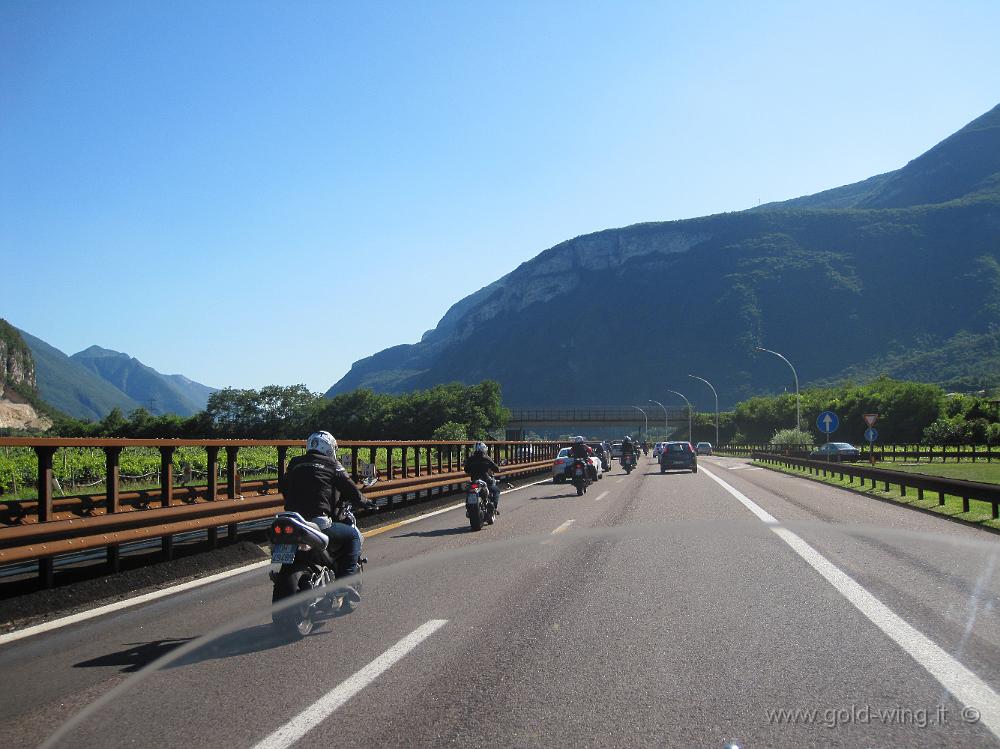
(602, 453)
(628, 448)
(479, 467)
(580, 449)
(317, 486)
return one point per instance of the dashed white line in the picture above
(953, 676)
(563, 527)
(326, 705)
(600, 496)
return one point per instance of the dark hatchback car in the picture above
(678, 455)
(836, 451)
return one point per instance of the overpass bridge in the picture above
(593, 421)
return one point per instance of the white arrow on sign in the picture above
(827, 419)
(870, 419)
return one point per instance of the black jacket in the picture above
(315, 485)
(478, 466)
(628, 448)
(580, 450)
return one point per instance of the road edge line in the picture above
(963, 684)
(64, 621)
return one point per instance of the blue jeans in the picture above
(344, 546)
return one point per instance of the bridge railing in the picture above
(44, 526)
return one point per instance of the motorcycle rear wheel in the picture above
(476, 518)
(296, 621)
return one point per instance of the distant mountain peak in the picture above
(94, 352)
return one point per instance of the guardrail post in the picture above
(283, 462)
(354, 464)
(232, 472)
(45, 475)
(212, 492)
(111, 499)
(372, 454)
(406, 462)
(430, 469)
(167, 494)
(388, 464)
(439, 467)
(233, 487)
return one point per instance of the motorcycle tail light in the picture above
(289, 529)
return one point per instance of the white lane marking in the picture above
(83, 616)
(128, 602)
(964, 685)
(619, 481)
(600, 496)
(563, 527)
(326, 705)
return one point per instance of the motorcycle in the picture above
(580, 475)
(299, 546)
(479, 506)
(628, 462)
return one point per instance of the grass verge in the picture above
(979, 514)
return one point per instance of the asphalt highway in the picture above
(682, 609)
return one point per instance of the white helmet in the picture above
(480, 448)
(578, 439)
(322, 442)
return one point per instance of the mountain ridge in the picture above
(846, 243)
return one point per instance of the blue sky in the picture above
(263, 192)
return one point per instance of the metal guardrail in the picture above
(966, 490)
(883, 453)
(43, 528)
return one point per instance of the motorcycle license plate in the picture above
(579, 471)
(471, 500)
(283, 553)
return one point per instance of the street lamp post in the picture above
(689, 409)
(696, 377)
(644, 417)
(798, 402)
(666, 426)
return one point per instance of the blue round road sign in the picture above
(871, 434)
(827, 422)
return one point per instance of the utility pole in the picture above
(798, 401)
(666, 427)
(689, 410)
(716, 405)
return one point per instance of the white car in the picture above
(563, 461)
(657, 449)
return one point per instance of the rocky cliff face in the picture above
(17, 376)
(16, 365)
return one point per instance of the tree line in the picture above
(454, 411)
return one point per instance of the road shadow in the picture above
(668, 472)
(571, 494)
(434, 533)
(135, 656)
(255, 639)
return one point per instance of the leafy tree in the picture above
(792, 437)
(451, 430)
